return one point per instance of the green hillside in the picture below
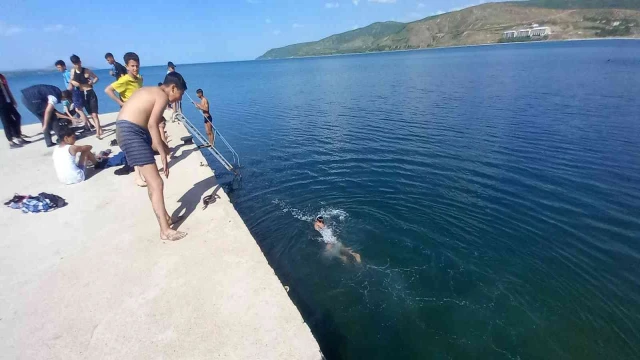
(482, 24)
(347, 42)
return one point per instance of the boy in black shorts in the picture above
(208, 120)
(84, 79)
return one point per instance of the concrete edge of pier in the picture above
(93, 280)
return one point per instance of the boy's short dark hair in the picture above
(61, 63)
(108, 55)
(174, 78)
(170, 64)
(75, 59)
(66, 132)
(66, 94)
(199, 91)
(131, 56)
(159, 84)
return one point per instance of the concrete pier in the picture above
(93, 280)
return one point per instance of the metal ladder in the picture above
(232, 167)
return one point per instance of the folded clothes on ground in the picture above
(43, 202)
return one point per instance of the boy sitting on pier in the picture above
(137, 129)
(69, 170)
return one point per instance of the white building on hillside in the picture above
(524, 33)
(509, 34)
(540, 31)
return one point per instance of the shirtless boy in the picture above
(84, 79)
(208, 120)
(137, 129)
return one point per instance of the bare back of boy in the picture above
(144, 109)
(140, 107)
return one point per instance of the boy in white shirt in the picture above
(69, 167)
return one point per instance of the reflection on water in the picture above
(493, 193)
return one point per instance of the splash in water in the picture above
(330, 213)
(335, 216)
(327, 235)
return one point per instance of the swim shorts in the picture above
(91, 101)
(208, 119)
(78, 98)
(135, 141)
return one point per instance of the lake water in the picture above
(492, 192)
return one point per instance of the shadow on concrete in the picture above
(108, 132)
(190, 200)
(113, 123)
(33, 139)
(91, 172)
(183, 155)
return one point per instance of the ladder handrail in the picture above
(236, 157)
(197, 134)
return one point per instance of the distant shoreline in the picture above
(452, 47)
(30, 72)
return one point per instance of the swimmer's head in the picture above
(320, 219)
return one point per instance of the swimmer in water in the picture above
(335, 247)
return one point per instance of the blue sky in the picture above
(33, 33)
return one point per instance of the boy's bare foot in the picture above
(357, 256)
(172, 235)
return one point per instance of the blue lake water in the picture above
(493, 193)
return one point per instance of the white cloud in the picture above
(54, 28)
(276, 32)
(355, 2)
(296, 26)
(267, 20)
(421, 5)
(383, 1)
(9, 30)
(332, 5)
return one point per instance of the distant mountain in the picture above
(26, 72)
(584, 4)
(342, 43)
(482, 24)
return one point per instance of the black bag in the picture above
(55, 200)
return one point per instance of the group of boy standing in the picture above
(137, 125)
